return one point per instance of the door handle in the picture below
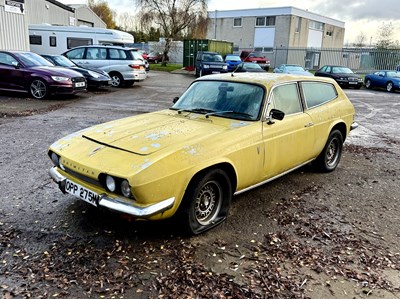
(310, 124)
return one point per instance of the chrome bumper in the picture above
(117, 204)
(353, 126)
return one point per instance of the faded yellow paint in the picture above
(159, 152)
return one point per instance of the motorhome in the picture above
(50, 39)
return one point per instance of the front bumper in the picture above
(119, 204)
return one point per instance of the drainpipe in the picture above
(215, 24)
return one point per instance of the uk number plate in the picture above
(79, 84)
(81, 192)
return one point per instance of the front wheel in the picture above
(38, 89)
(329, 158)
(206, 201)
(389, 86)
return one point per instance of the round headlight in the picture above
(61, 165)
(125, 188)
(110, 183)
(55, 159)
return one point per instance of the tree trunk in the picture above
(167, 48)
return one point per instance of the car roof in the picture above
(266, 79)
(102, 46)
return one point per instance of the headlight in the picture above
(225, 67)
(94, 74)
(125, 188)
(206, 66)
(110, 183)
(58, 78)
(56, 160)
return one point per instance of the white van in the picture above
(49, 39)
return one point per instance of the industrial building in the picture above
(270, 29)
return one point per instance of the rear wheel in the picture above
(206, 201)
(389, 86)
(329, 158)
(368, 84)
(117, 80)
(38, 89)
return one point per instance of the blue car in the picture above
(389, 80)
(233, 60)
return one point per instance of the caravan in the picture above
(49, 39)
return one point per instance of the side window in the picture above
(8, 59)
(53, 41)
(73, 42)
(76, 53)
(286, 98)
(35, 39)
(93, 53)
(317, 93)
(328, 69)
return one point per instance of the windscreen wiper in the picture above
(197, 110)
(228, 112)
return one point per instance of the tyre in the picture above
(38, 89)
(389, 86)
(206, 202)
(368, 84)
(329, 158)
(117, 80)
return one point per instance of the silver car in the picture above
(124, 65)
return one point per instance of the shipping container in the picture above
(192, 46)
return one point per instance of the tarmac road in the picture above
(43, 229)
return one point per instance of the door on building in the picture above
(312, 60)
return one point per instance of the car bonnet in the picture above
(148, 133)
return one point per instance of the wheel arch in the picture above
(225, 166)
(341, 127)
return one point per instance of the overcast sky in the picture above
(359, 15)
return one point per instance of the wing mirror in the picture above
(175, 100)
(275, 114)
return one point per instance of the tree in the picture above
(104, 12)
(360, 40)
(126, 21)
(385, 33)
(174, 18)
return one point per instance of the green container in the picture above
(192, 46)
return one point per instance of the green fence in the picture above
(192, 46)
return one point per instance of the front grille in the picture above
(83, 177)
(78, 79)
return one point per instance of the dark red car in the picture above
(255, 57)
(30, 73)
(155, 57)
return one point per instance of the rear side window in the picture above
(117, 54)
(317, 93)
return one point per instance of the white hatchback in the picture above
(124, 65)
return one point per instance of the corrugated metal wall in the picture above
(13, 31)
(41, 11)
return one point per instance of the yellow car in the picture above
(225, 135)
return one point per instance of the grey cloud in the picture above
(384, 10)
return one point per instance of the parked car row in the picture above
(71, 72)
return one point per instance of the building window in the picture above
(298, 25)
(265, 21)
(35, 39)
(316, 25)
(53, 41)
(260, 21)
(237, 22)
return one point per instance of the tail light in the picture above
(137, 66)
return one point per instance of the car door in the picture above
(381, 79)
(321, 105)
(11, 72)
(288, 142)
(96, 58)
